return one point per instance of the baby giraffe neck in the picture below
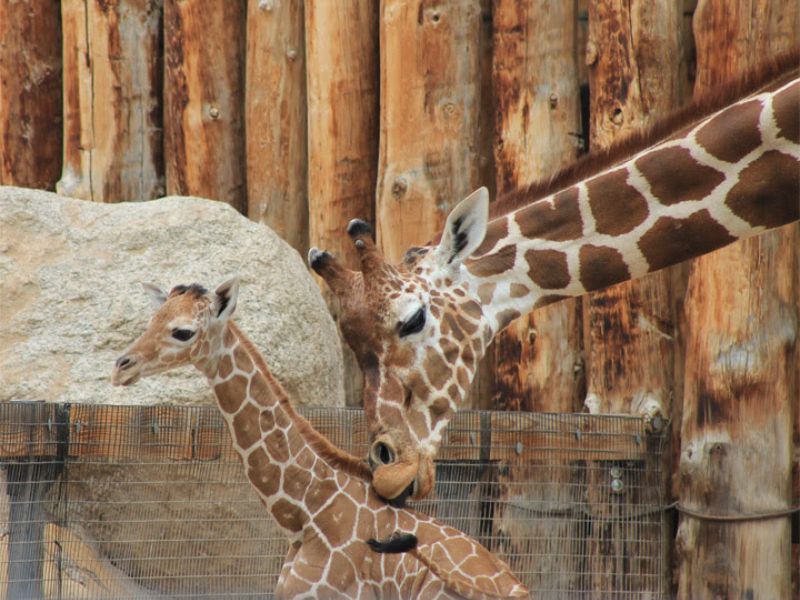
(278, 448)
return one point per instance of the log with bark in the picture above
(112, 100)
(30, 94)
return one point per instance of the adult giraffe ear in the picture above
(225, 298)
(156, 294)
(465, 229)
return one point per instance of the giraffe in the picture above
(723, 168)
(318, 495)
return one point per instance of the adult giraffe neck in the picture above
(285, 458)
(727, 176)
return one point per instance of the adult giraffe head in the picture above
(418, 334)
(721, 169)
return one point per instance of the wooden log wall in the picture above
(305, 114)
(742, 352)
(30, 93)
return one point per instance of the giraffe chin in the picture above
(123, 378)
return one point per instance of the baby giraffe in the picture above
(319, 495)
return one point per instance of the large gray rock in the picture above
(71, 300)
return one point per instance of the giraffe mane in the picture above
(336, 457)
(785, 65)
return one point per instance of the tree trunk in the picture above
(342, 52)
(112, 90)
(30, 94)
(429, 127)
(741, 360)
(629, 330)
(275, 119)
(204, 99)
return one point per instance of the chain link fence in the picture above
(151, 502)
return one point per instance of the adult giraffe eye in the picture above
(414, 324)
(184, 335)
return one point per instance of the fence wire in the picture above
(151, 502)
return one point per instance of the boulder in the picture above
(70, 274)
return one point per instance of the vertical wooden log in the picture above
(537, 124)
(430, 97)
(633, 55)
(741, 359)
(342, 55)
(30, 94)
(204, 99)
(275, 119)
(537, 120)
(112, 90)
(481, 393)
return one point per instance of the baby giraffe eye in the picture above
(413, 324)
(184, 335)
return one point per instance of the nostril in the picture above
(123, 362)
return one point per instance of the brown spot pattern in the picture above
(557, 221)
(671, 241)
(230, 393)
(225, 366)
(601, 266)
(518, 290)
(243, 361)
(486, 291)
(262, 474)
(439, 372)
(341, 573)
(450, 326)
(733, 133)
(616, 206)
(296, 481)
(768, 191)
(266, 421)
(496, 230)
(786, 108)
(277, 445)
(246, 426)
(320, 494)
(695, 181)
(450, 350)
(548, 268)
(495, 263)
(471, 309)
(288, 515)
(337, 519)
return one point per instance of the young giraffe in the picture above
(719, 170)
(319, 495)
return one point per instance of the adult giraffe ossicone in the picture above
(723, 168)
(319, 495)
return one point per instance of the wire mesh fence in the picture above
(151, 502)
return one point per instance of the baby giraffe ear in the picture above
(465, 228)
(225, 298)
(157, 295)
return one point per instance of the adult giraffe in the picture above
(723, 168)
(319, 495)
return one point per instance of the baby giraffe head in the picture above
(187, 328)
(417, 336)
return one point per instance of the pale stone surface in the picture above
(71, 300)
